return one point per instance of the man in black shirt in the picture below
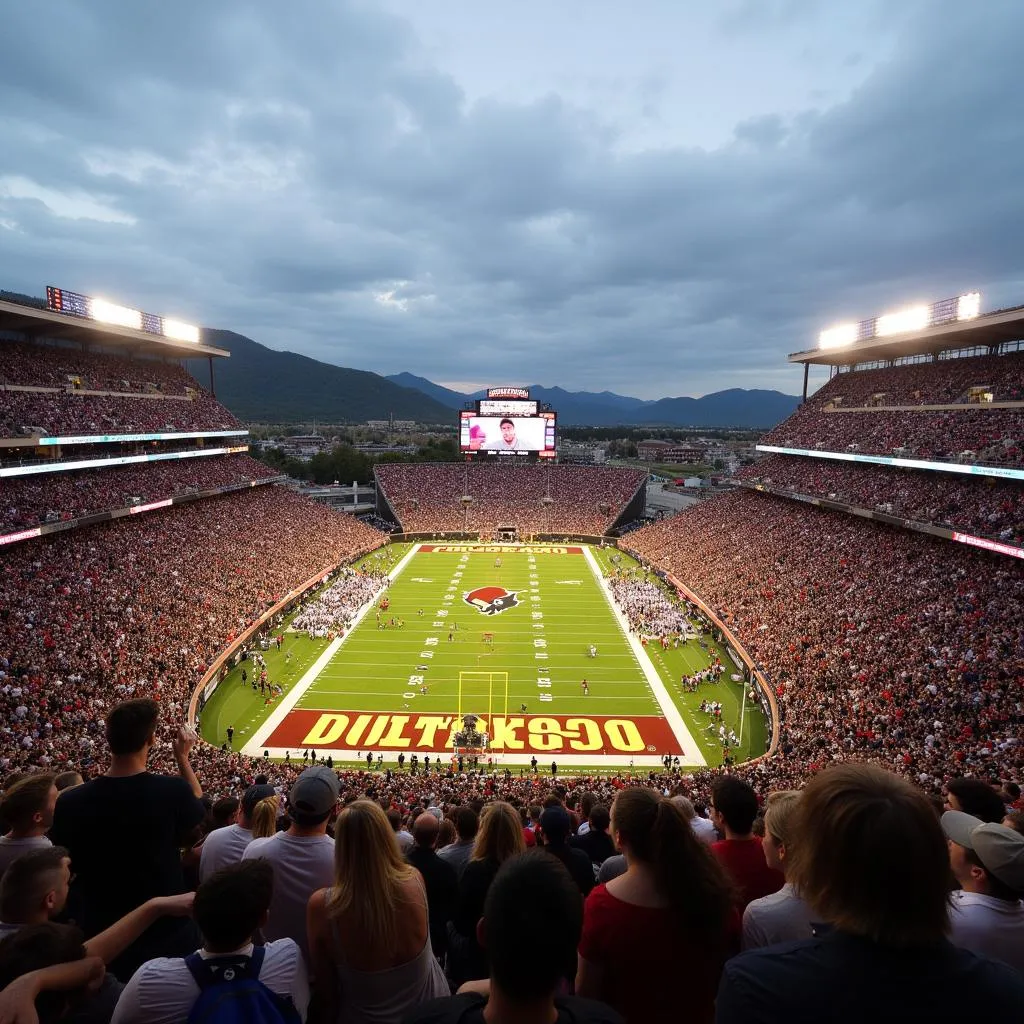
(555, 824)
(439, 879)
(530, 953)
(597, 844)
(124, 831)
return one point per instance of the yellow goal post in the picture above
(474, 686)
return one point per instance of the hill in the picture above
(735, 407)
(262, 385)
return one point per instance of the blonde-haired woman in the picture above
(783, 916)
(264, 817)
(500, 837)
(369, 939)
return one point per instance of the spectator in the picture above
(556, 827)
(264, 817)
(733, 810)
(671, 912)
(467, 822)
(27, 810)
(987, 859)
(703, 829)
(225, 846)
(124, 831)
(439, 880)
(530, 928)
(500, 837)
(369, 933)
(20, 1000)
(67, 780)
(302, 857)
(230, 907)
(35, 890)
(871, 862)
(783, 916)
(596, 843)
(974, 797)
(42, 947)
(403, 835)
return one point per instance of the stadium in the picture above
(508, 627)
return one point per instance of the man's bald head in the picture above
(424, 830)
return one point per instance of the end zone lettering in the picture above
(521, 734)
(497, 549)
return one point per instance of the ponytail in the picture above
(698, 890)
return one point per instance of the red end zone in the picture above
(497, 549)
(519, 734)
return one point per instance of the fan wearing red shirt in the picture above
(672, 912)
(733, 810)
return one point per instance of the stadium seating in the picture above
(987, 508)
(993, 435)
(880, 643)
(534, 499)
(30, 500)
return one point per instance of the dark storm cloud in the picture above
(302, 174)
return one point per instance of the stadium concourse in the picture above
(881, 645)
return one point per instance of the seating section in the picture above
(144, 394)
(994, 435)
(139, 607)
(30, 500)
(985, 507)
(880, 643)
(583, 500)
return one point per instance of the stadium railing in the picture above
(756, 675)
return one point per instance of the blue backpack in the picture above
(230, 992)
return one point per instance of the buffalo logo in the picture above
(491, 600)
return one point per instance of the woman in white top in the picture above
(369, 939)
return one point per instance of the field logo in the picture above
(491, 600)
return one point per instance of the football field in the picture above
(504, 633)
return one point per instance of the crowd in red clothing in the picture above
(535, 499)
(986, 507)
(48, 497)
(879, 642)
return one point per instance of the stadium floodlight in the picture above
(110, 313)
(838, 336)
(968, 306)
(180, 331)
(915, 318)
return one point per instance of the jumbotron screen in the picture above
(497, 433)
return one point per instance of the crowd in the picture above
(944, 382)
(986, 507)
(395, 899)
(648, 608)
(879, 643)
(62, 413)
(991, 436)
(535, 499)
(57, 366)
(334, 607)
(51, 497)
(141, 607)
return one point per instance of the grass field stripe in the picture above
(254, 747)
(651, 674)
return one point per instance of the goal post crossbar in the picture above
(475, 681)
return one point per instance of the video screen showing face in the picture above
(503, 433)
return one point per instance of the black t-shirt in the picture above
(577, 862)
(469, 1009)
(124, 836)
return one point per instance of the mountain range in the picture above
(735, 407)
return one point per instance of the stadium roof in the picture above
(44, 323)
(990, 329)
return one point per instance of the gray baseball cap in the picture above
(315, 791)
(1000, 849)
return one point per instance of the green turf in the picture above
(372, 669)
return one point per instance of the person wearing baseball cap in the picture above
(987, 916)
(302, 857)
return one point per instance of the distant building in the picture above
(670, 451)
(391, 424)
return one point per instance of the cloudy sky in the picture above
(658, 198)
